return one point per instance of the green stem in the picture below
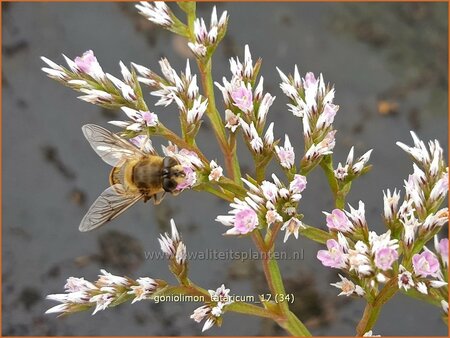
(229, 153)
(209, 188)
(295, 327)
(339, 196)
(368, 320)
(372, 310)
(288, 320)
(250, 309)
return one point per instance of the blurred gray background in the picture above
(389, 65)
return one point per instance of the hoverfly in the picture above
(135, 175)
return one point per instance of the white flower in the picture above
(440, 189)
(196, 112)
(422, 288)
(264, 106)
(341, 172)
(410, 224)
(324, 147)
(437, 283)
(172, 245)
(444, 305)
(268, 136)
(361, 162)
(357, 217)
(370, 334)
(95, 96)
(221, 295)
(358, 260)
(140, 119)
(272, 216)
(60, 308)
(205, 37)
(198, 49)
(232, 120)
(286, 154)
(209, 323)
(146, 287)
(103, 300)
(200, 313)
(269, 190)
(216, 311)
(291, 227)
(127, 92)
(382, 241)
(348, 287)
(143, 143)
(107, 279)
(158, 13)
(78, 284)
(390, 204)
(216, 171)
(405, 280)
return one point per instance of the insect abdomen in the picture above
(117, 175)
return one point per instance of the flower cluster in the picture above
(109, 289)
(352, 169)
(172, 245)
(312, 101)
(181, 89)
(87, 76)
(158, 13)
(161, 14)
(425, 264)
(397, 259)
(246, 105)
(369, 258)
(425, 190)
(206, 40)
(213, 310)
(269, 203)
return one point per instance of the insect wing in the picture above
(110, 204)
(110, 147)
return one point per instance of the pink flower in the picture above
(334, 257)
(425, 264)
(337, 220)
(245, 221)
(151, 119)
(327, 117)
(88, 64)
(190, 179)
(270, 190)
(443, 249)
(385, 257)
(309, 80)
(298, 184)
(286, 154)
(243, 98)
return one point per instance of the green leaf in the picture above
(315, 234)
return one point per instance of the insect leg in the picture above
(157, 199)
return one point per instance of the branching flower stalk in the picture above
(373, 267)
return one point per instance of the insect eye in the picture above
(169, 185)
